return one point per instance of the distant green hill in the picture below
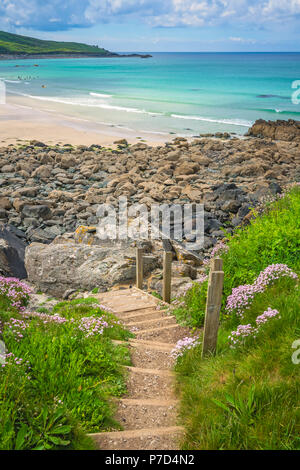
(14, 44)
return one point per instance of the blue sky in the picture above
(160, 25)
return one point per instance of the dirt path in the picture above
(148, 413)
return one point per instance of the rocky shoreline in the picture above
(70, 56)
(49, 198)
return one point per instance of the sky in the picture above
(160, 25)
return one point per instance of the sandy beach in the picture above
(22, 120)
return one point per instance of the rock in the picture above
(276, 130)
(36, 143)
(173, 156)
(46, 158)
(211, 225)
(122, 142)
(178, 285)
(231, 206)
(40, 235)
(61, 196)
(180, 269)
(30, 191)
(12, 251)
(8, 169)
(193, 194)
(30, 222)
(67, 161)
(42, 212)
(43, 171)
(18, 204)
(186, 168)
(5, 203)
(244, 210)
(56, 268)
(275, 188)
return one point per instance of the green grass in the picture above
(248, 397)
(72, 380)
(190, 309)
(16, 44)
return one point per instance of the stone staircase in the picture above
(148, 414)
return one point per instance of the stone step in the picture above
(141, 413)
(169, 333)
(152, 323)
(150, 383)
(122, 301)
(151, 357)
(140, 343)
(140, 314)
(164, 438)
(137, 312)
(129, 306)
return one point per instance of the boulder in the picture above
(3, 213)
(276, 130)
(5, 203)
(179, 286)
(42, 211)
(67, 161)
(57, 268)
(12, 251)
(187, 168)
(39, 235)
(43, 171)
(8, 169)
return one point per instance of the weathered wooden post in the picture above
(216, 265)
(139, 268)
(213, 307)
(167, 274)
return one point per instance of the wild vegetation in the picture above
(247, 396)
(59, 371)
(16, 44)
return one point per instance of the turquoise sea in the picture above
(181, 93)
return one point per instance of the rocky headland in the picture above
(49, 198)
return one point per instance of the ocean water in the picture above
(180, 93)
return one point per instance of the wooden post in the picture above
(216, 265)
(139, 268)
(213, 307)
(168, 255)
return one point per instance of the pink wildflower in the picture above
(184, 345)
(243, 296)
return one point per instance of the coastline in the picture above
(110, 55)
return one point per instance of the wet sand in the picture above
(21, 120)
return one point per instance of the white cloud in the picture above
(38, 14)
(242, 40)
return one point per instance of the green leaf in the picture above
(20, 439)
(58, 441)
(221, 405)
(61, 430)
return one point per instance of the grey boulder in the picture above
(56, 268)
(12, 252)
